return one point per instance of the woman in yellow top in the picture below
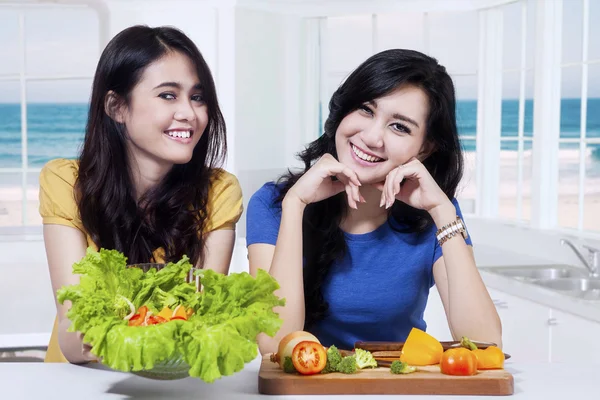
(147, 182)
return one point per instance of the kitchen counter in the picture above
(65, 381)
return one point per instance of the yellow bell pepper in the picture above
(420, 348)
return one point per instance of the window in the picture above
(514, 191)
(579, 143)
(43, 97)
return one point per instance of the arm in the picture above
(65, 246)
(218, 250)
(469, 308)
(284, 263)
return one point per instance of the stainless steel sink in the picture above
(571, 281)
(535, 272)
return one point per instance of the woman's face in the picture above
(383, 134)
(167, 114)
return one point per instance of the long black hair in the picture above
(382, 73)
(171, 215)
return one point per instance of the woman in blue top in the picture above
(357, 238)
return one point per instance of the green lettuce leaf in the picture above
(217, 340)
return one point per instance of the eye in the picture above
(366, 109)
(198, 98)
(167, 96)
(398, 127)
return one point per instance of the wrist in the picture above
(292, 202)
(443, 214)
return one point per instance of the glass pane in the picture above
(466, 104)
(62, 41)
(570, 103)
(9, 37)
(593, 102)
(10, 125)
(511, 43)
(510, 104)
(467, 189)
(33, 204)
(509, 180)
(594, 35)
(349, 42)
(530, 49)
(591, 214)
(568, 185)
(10, 199)
(572, 38)
(397, 31)
(454, 40)
(527, 173)
(56, 124)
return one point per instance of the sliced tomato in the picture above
(155, 319)
(309, 357)
(178, 317)
(139, 318)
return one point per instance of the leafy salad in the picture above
(213, 330)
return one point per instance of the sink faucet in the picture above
(593, 262)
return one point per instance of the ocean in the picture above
(56, 130)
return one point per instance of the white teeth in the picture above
(364, 156)
(180, 134)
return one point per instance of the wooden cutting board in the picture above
(426, 380)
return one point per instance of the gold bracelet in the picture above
(450, 230)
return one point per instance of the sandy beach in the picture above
(11, 194)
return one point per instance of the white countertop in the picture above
(66, 382)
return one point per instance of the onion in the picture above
(287, 344)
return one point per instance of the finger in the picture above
(356, 192)
(383, 198)
(351, 175)
(389, 187)
(350, 195)
(343, 173)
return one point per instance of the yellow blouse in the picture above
(58, 206)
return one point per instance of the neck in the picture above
(369, 216)
(146, 172)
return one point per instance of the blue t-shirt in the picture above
(378, 291)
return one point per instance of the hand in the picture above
(86, 349)
(412, 184)
(316, 184)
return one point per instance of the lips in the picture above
(364, 156)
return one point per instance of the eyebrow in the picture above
(397, 116)
(177, 85)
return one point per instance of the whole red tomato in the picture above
(458, 361)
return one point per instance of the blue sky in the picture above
(66, 42)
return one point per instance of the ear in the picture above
(114, 107)
(427, 149)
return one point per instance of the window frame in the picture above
(23, 78)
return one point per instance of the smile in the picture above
(180, 135)
(362, 156)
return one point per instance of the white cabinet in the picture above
(574, 339)
(531, 332)
(525, 329)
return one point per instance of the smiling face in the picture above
(383, 134)
(166, 114)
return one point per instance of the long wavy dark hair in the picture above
(323, 239)
(171, 215)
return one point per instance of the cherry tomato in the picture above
(458, 361)
(309, 357)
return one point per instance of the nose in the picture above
(185, 111)
(373, 136)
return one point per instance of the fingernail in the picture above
(389, 204)
(362, 199)
(381, 202)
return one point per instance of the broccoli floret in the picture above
(333, 360)
(364, 359)
(288, 365)
(399, 367)
(347, 365)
